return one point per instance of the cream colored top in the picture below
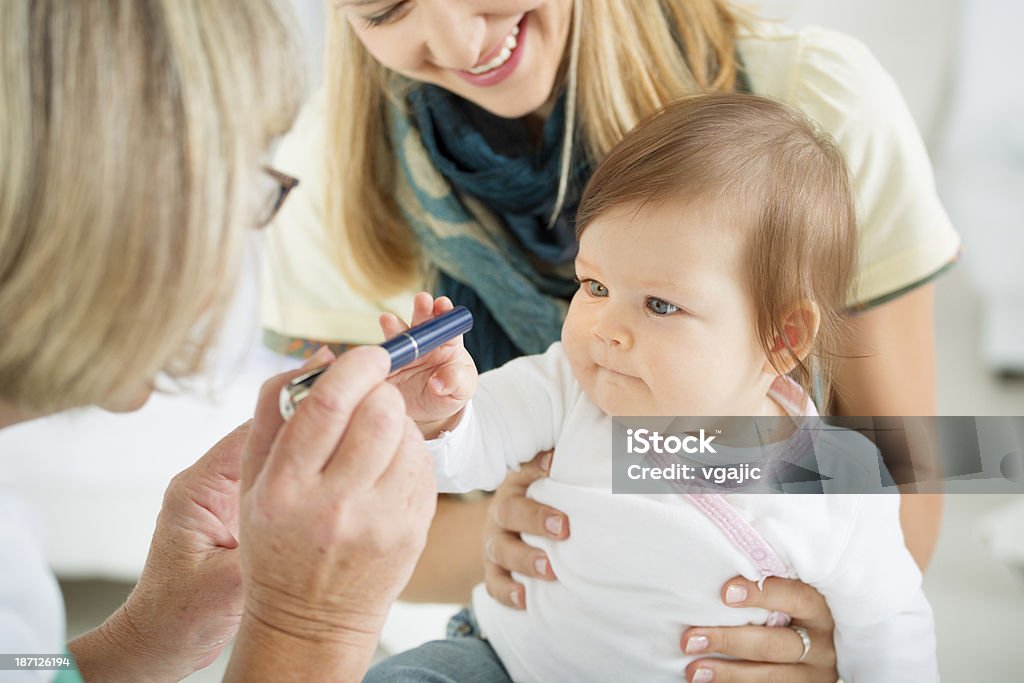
(906, 236)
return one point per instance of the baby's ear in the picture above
(795, 337)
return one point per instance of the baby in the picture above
(717, 243)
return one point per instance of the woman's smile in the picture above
(502, 55)
(500, 61)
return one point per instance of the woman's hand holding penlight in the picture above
(335, 507)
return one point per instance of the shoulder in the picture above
(549, 370)
(544, 381)
(905, 235)
(830, 76)
(813, 532)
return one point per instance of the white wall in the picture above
(980, 167)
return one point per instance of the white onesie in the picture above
(637, 570)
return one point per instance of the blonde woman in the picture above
(448, 149)
(757, 315)
(133, 134)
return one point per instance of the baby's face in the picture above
(662, 323)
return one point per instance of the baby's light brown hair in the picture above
(769, 170)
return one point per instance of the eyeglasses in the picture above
(274, 198)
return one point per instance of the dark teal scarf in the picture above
(516, 276)
(478, 193)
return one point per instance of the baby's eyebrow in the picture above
(659, 284)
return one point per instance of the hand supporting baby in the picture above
(437, 386)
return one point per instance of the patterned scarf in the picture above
(478, 192)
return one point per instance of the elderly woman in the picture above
(133, 134)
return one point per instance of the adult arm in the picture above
(451, 562)
(905, 241)
(889, 370)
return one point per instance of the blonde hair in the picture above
(131, 133)
(765, 167)
(626, 59)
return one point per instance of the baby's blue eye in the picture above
(596, 288)
(661, 307)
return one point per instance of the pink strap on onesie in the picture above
(743, 535)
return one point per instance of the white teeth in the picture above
(506, 51)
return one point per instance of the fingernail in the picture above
(554, 525)
(541, 565)
(696, 644)
(437, 384)
(316, 359)
(514, 597)
(489, 550)
(703, 675)
(545, 462)
(734, 594)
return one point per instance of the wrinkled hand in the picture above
(188, 601)
(510, 514)
(336, 504)
(438, 385)
(766, 653)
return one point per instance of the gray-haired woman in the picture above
(133, 134)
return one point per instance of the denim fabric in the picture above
(464, 657)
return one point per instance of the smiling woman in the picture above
(504, 59)
(379, 50)
(421, 179)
